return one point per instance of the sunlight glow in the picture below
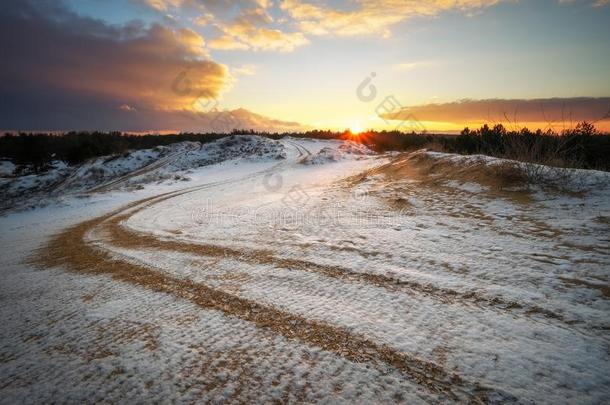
(356, 129)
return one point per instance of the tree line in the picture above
(580, 147)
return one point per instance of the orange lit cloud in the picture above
(239, 36)
(163, 5)
(253, 28)
(553, 112)
(370, 16)
(90, 67)
(227, 43)
(141, 69)
(243, 35)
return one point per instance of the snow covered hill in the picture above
(132, 169)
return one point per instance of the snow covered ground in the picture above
(128, 171)
(250, 270)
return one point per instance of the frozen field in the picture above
(251, 270)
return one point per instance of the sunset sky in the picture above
(143, 65)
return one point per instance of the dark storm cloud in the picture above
(64, 71)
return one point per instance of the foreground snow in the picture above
(431, 255)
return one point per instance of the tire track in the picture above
(71, 250)
(138, 172)
(136, 240)
(304, 153)
(133, 239)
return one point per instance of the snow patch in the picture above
(7, 168)
(336, 153)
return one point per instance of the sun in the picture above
(355, 129)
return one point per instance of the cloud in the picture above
(244, 70)
(370, 16)
(544, 110)
(227, 121)
(163, 5)
(126, 107)
(215, 5)
(227, 43)
(241, 24)
(254, 29)
(406, 66)
(258, 39)
(204, 19)
(61, 70)
(147, 120)
(594, 3)
(251, 30)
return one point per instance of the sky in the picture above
(157, 65)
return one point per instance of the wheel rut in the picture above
(70, 249)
